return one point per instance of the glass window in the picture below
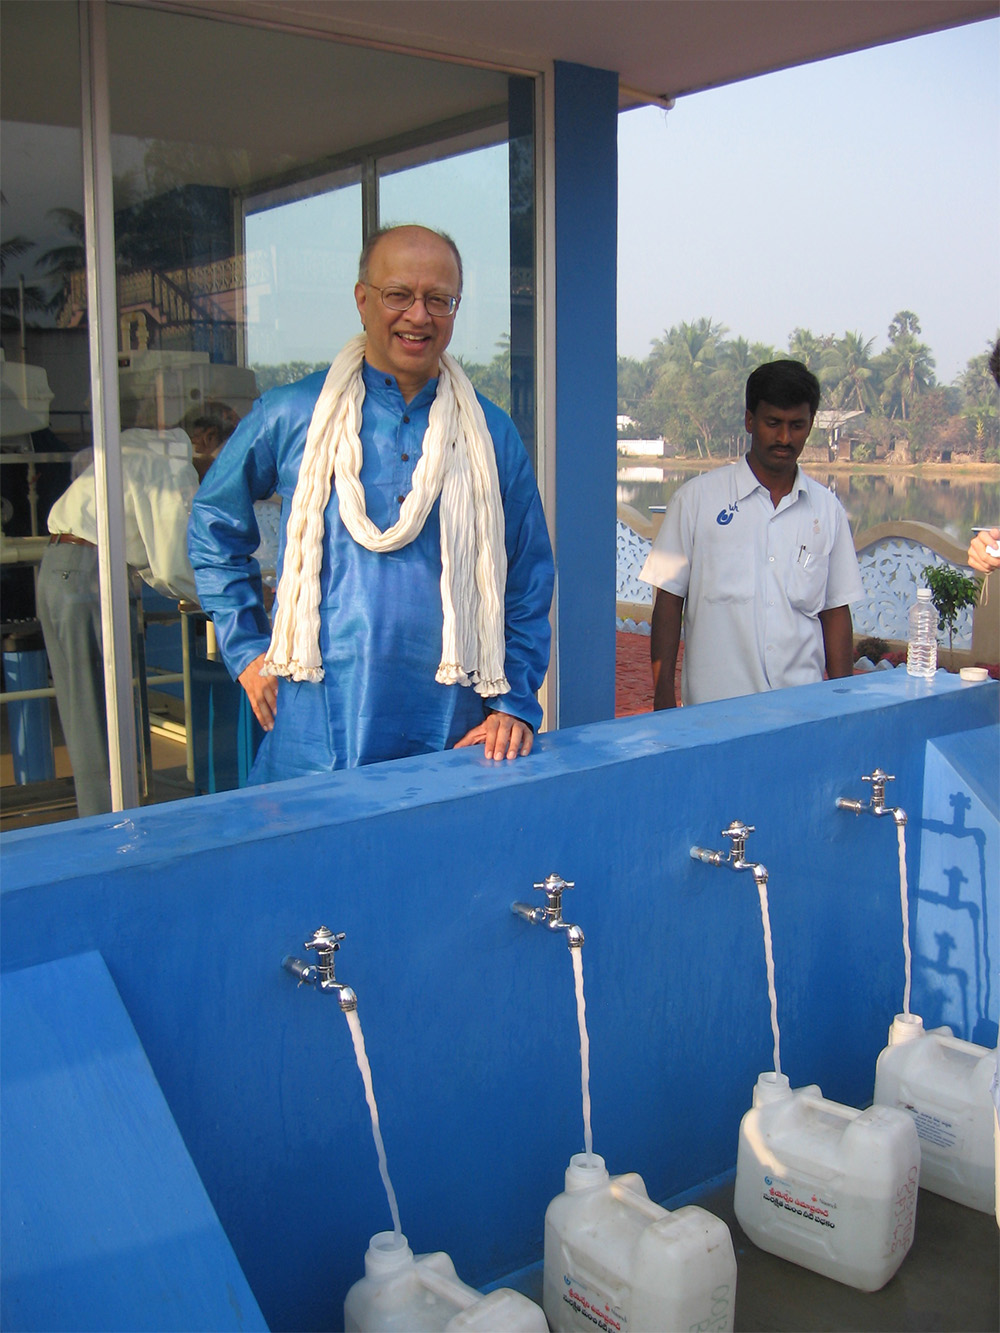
(466, 196)
(45, 420)
(238, 220)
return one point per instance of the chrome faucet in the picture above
(321, 975)
(735, 858)
(877, 805)
(551, 914)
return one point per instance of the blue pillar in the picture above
(586, 242)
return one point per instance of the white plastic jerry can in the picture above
(829, 1187)
(406, 1293)
(944, 1084)
(617, 1262)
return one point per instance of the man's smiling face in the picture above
(407, 343)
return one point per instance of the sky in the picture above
(827, 197)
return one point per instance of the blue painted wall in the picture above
(467, 1010)
(586, 233)
(106, 1221)
(956, 932)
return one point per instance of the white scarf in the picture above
(458, 463)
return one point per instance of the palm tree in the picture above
(979, 403)
(904, 324)
(62, 261)
(683, 397)
(807, 347)
(850, 374)
(635, 379)
(908, 368)
(17, 298)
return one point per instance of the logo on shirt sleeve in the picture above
(725, 516)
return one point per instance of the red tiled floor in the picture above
(633, 678)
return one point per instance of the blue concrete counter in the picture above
(468, 1011)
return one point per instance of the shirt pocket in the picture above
(807, 581)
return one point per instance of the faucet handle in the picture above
(325, 941)
(554, 884)
(738, 831)
(878, 779)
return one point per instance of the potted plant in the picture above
(951, 592)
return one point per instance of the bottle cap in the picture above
(387, 1253)
(905, 1027)
(585, 1171)
(771, 1087)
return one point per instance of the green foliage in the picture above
(979, 407)
(951, 592)
(690, 391)
(289, 372)
(493, 380)
(872, 648)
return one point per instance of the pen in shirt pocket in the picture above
(804, 558)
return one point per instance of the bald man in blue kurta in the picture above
(380, 613)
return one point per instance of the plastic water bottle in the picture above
(944, 1084)
(921, 649)
(829, 1187)
(406, 1293)
(615, 1262)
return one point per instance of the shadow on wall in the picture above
(956, 907)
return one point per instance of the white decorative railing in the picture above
(892, 571)
(632, 552)
(892, 559)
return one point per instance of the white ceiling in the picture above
(662, 48)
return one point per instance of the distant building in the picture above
(642, 448)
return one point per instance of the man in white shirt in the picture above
(160, 479)
(759, 560)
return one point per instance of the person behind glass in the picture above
(758, 561)
(415, 571)
(160, 479)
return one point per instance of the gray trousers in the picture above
(69, 608)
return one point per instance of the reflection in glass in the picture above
(44, 376)
(238, 222)
(427, 193)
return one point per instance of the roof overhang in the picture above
(660, 49)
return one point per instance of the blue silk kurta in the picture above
(380, 614)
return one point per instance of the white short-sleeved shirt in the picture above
(754, 579)
(159, 482)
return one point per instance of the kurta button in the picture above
(406, 421)
(405, 457)
(400, 498)
(388, 380)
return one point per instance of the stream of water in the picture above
(769, 959)
(354, 1023)
(904, 900)
(581, 1018)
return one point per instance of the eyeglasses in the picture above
(398, 298)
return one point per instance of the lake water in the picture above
(953, 504)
